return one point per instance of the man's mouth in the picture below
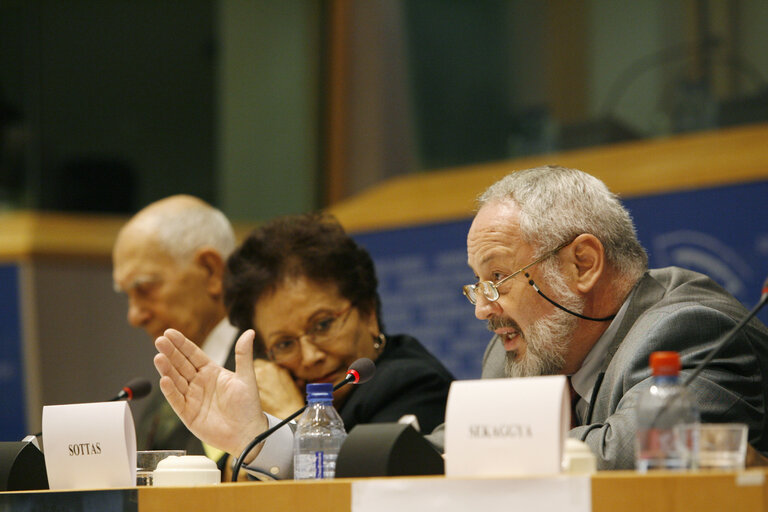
(510, 338)
(508, 331)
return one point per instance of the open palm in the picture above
(220, 407)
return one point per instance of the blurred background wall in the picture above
(266, 108)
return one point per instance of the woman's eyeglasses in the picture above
(321, 332)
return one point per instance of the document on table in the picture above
(540, 494)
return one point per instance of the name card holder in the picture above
(89, 446)
(22, 466)
(506, 427)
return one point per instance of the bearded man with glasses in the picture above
(563, 283)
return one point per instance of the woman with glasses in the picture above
(309, 293)
(305, 294)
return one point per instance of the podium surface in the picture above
(608, 491)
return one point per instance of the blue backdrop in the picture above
(718, 231)
(12, 407)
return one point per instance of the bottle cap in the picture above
(665, 363)
(319, 391)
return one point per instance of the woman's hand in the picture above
(279, 393)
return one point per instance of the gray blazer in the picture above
(683, 311)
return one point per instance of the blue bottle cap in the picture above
(319, 391)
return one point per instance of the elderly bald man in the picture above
(169, 260)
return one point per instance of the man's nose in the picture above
(138, 315)
(485, 308)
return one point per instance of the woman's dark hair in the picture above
(313, 246)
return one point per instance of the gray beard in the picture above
(547, 339)
(546, 346)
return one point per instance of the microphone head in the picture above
(139, 388)
(361, 370)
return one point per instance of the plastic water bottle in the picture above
(319, 435)
(661, 408)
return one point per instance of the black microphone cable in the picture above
(603, 319)
(732, 334)
(712, 353)
(360, 371)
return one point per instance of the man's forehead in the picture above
(140, 257)
(495, 232)
(130, 282)
(131, 270)
(138, 240)
(499, 216)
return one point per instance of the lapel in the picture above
(160, 428)
(648, 292)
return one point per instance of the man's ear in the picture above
(586, 256)
(210, 262)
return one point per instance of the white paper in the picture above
(503, 427)
(551, 494)
(89, 446)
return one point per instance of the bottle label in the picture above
(315, 464)
(319, 465)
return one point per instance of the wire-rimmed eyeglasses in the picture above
(321, 332)
(490, 290)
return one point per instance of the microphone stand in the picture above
(712, 353)
(736, 329)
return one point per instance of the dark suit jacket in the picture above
(408, 380)
(683, 311)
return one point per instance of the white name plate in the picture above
(504, 427)
(89, 446)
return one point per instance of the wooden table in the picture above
(624, 491)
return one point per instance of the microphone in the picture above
(359, 372)
(716, 349)
(731, 334)
(135, 389)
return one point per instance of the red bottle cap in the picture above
(665, 363)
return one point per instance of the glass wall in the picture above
(108, 105)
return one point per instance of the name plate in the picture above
(504, 427)
(89, 446)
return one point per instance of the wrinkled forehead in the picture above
(138, 252)
(293, 303)
(496, 225)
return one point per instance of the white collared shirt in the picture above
(219, 342)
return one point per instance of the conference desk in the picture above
(624, 491)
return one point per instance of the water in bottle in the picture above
(660, 409)
(319, 435)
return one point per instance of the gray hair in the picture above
(188, 226)
(557, 204)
